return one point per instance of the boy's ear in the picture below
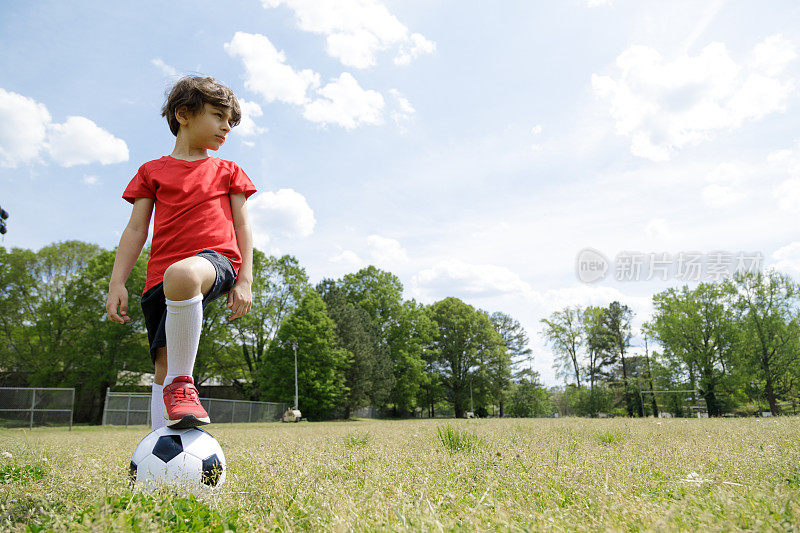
(182, 115)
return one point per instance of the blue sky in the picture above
(472, 149)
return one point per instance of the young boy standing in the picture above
(202, 243)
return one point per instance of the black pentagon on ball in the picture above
(132, 471)
(168, 447)
(212, 470)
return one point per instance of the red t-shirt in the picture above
(192, 209)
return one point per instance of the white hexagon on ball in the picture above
(178, 459)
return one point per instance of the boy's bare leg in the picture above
(185, 283)
(161, 365)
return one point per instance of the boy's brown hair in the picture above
(195, 91)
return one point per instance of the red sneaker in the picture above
(183, 408)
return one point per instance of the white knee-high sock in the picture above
(157, 419)
(184, 322)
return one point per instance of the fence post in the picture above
(72, 409)
(233, 412)
(250, 414)
(128, 411)
(33, 405)
(105, 407)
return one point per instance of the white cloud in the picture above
(597, 3)
(348, 258)
(665, 105)
(787, 259)
(247, 126)
(726, 184)
(416, 46)
(355, 30)
(91, 180)
(79, 141)
(787, 192)
(345, 103)
(167, 70)
(453, 276)
(772, 55)
(27, 130)
(386, 252)
(22, 130)
(537, 129)
(267, 72)
(285, 213)
(402, 108)
(788, 195)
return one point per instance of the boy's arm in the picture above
(240, 298)
(130, 246)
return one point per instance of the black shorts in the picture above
(154, 304)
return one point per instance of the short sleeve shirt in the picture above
(192, 209)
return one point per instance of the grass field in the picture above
(509, 474)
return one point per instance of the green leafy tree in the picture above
(528, 397)
(354, 333)
(463, 339)
(564, 333)
(514, 350)
(321, 364)
(766, 305)
(278, 285)
(104, 354)
(698, 327)
(617, 321)
(401, 329)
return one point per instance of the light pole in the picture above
(294, 348)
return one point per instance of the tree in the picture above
(103, 354)
(321, 364)
(278, 286)
(355, 334)
(463, 336)
(696, 326)
(563, 331)
(514, 350)
(766, 303)
(528, 398)
(399, 325)
(599, 345)
(53, 324)
(617, 322)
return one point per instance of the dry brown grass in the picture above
(518, 475)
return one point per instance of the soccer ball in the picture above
(178, 458)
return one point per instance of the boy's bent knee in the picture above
(189, 277)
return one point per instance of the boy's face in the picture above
(207, 128)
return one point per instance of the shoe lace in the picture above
(185, 395)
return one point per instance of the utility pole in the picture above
(294, 347)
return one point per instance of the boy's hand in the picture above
(117, 297)
(240, 299)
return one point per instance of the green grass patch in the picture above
(356, 440)
(142, 512)
(611, 437)
(12, 473)
(455, 439)
(565, 474)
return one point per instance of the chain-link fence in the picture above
(20, 407)
(133, 408)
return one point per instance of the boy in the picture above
(202, 244)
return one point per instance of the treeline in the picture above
(736, 342)
(358, 342)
